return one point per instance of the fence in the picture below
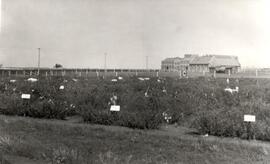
(27, 72)
(85, 72)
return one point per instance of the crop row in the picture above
(201, 103)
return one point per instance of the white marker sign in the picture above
(32, 79)
(62, 87)
(26, 96)
(249, 118)
(115, 108)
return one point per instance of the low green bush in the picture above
(200, 103)
(139, 112)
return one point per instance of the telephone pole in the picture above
(146, 62)
(105, 64)
(38, 61)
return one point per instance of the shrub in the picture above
(139, 113)
(11, 104)
(96, 116)
(197, 102)
(228, 122)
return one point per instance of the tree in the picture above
(58, 66)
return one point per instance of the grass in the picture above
(57, 141)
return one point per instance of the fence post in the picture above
(256, 73)
(63, 72)
(79, 72)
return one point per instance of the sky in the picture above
(77, 33)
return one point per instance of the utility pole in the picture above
(146, 62)
(38, 61)
(105, 64)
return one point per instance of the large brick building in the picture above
(205, 63)
(177, 63)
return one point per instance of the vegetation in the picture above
(60, 142)
(200, 103)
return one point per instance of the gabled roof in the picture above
(172, 59)
(201, 60)
(189, 57)
(217, 60)
(224, 61)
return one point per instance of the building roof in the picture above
(224, 61)
(217, 60)
(189, 57)
(172, 59)
(201, 60)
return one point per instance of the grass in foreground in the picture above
(55, 141)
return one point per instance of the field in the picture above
(200, 104)
(38, 141)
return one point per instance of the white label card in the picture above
(26, 96)
(249, 118)
(115, 108)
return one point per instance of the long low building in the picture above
(205, 63)
(215, 63)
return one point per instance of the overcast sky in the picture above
(77, 33)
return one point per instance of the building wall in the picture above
(174, 66)
(234, 70)
(167, 66)
(198, 68)
(231, 70)
(177, 67)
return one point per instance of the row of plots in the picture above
(24, 72)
